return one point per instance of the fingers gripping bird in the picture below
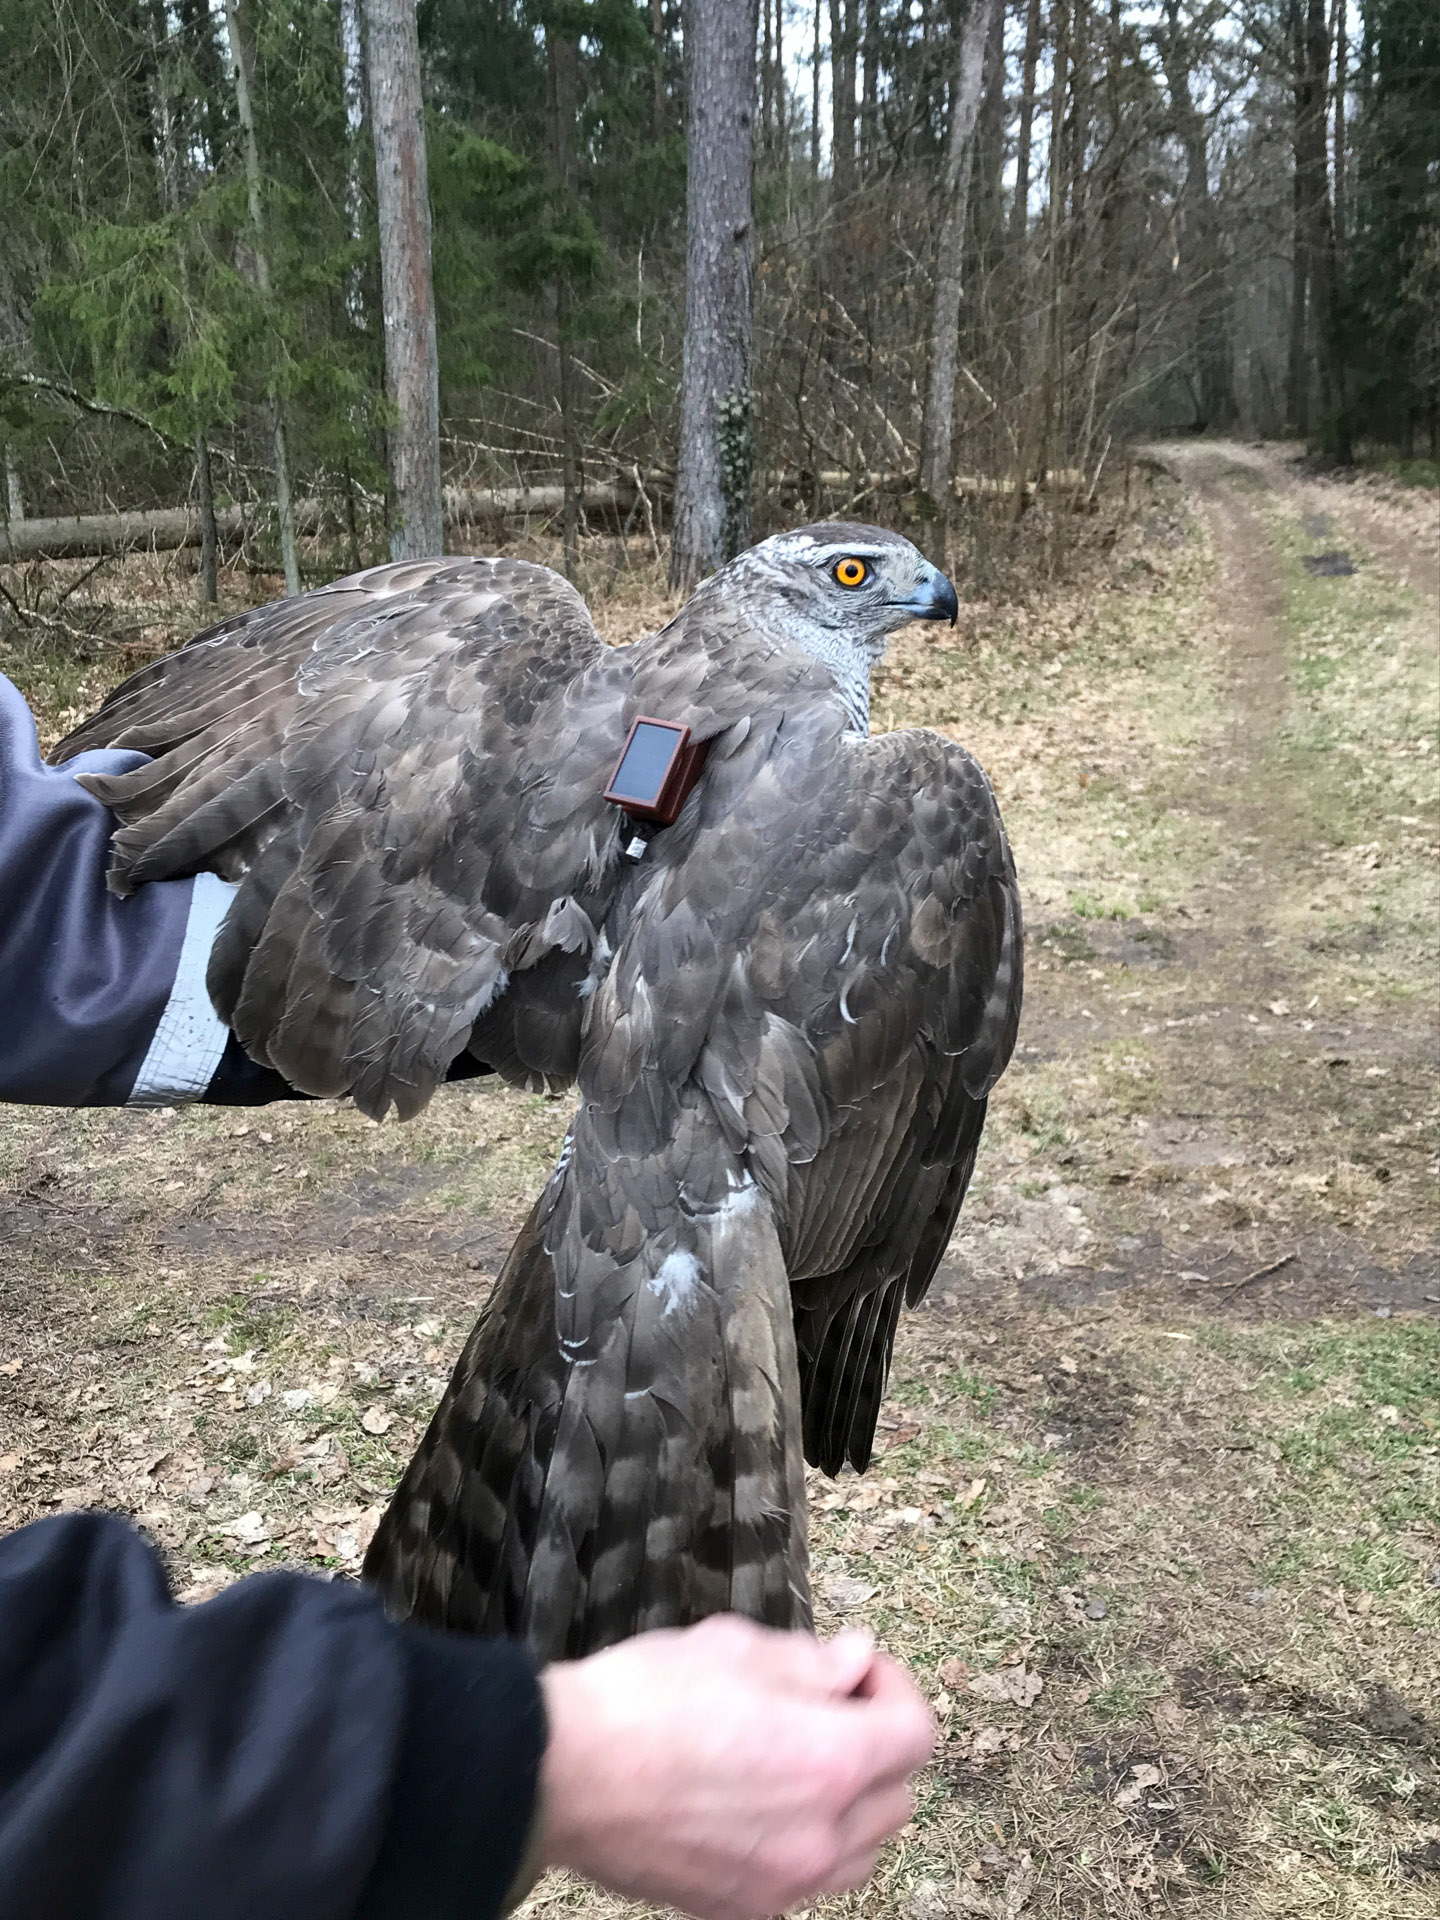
(783, 1022)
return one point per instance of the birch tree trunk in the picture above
(14, 492)
(354, 89)
(402, 198)
(712, 489)
(240, 55)
(937, 426)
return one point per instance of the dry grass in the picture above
(1155, 1517)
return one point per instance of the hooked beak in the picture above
(933, 599)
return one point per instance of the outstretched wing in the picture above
(848, 1000)
(402, 772)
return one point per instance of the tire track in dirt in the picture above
(1229, 993)
(1249, 600)
(1401, 530)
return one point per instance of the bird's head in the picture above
(839, 590)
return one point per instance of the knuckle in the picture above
(726, 1630)
(840, 1777)
(800, 1861)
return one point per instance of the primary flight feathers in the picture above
(783, 1022)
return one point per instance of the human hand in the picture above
(728, 1769)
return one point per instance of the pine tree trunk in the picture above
(937, 426)
(658, 114)
(172, 197)
(561, 80)
(1020, 207)
(988, 215)
(1313, 206)
(1202, 255)
(712, 490)
(782, 97)
(240, 55)
(869, 86)
(1297, 370)
(815, 91)
(1342, 78)
(412, 376)
(842, 97)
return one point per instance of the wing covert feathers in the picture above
(402, 772)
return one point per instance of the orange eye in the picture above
(851, 572)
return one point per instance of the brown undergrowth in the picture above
(1153, 1517)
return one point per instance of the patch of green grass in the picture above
(1398, 1364)
(1083, 1499)
(1377, 1566)
(960, 1443)
(1129, 1694)
(971, 1387)
(1042, 1115)
(1331, 1823)
(1069, 942)
(908, 1392)
(1314, 671)
(1008, 1579)
(1409, 473)
(1086, 906)
(248, 1321)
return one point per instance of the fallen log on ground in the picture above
(86, 536)
(963, 486)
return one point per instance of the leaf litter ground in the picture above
(1153, 1516)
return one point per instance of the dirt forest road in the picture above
(1153, 1516)
(1224, 980)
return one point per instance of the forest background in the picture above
(1145, 216)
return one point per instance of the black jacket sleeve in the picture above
(281, 1750)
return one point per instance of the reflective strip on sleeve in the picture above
(191, 1036)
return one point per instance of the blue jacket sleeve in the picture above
(102, 1000)
(281, 1750)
